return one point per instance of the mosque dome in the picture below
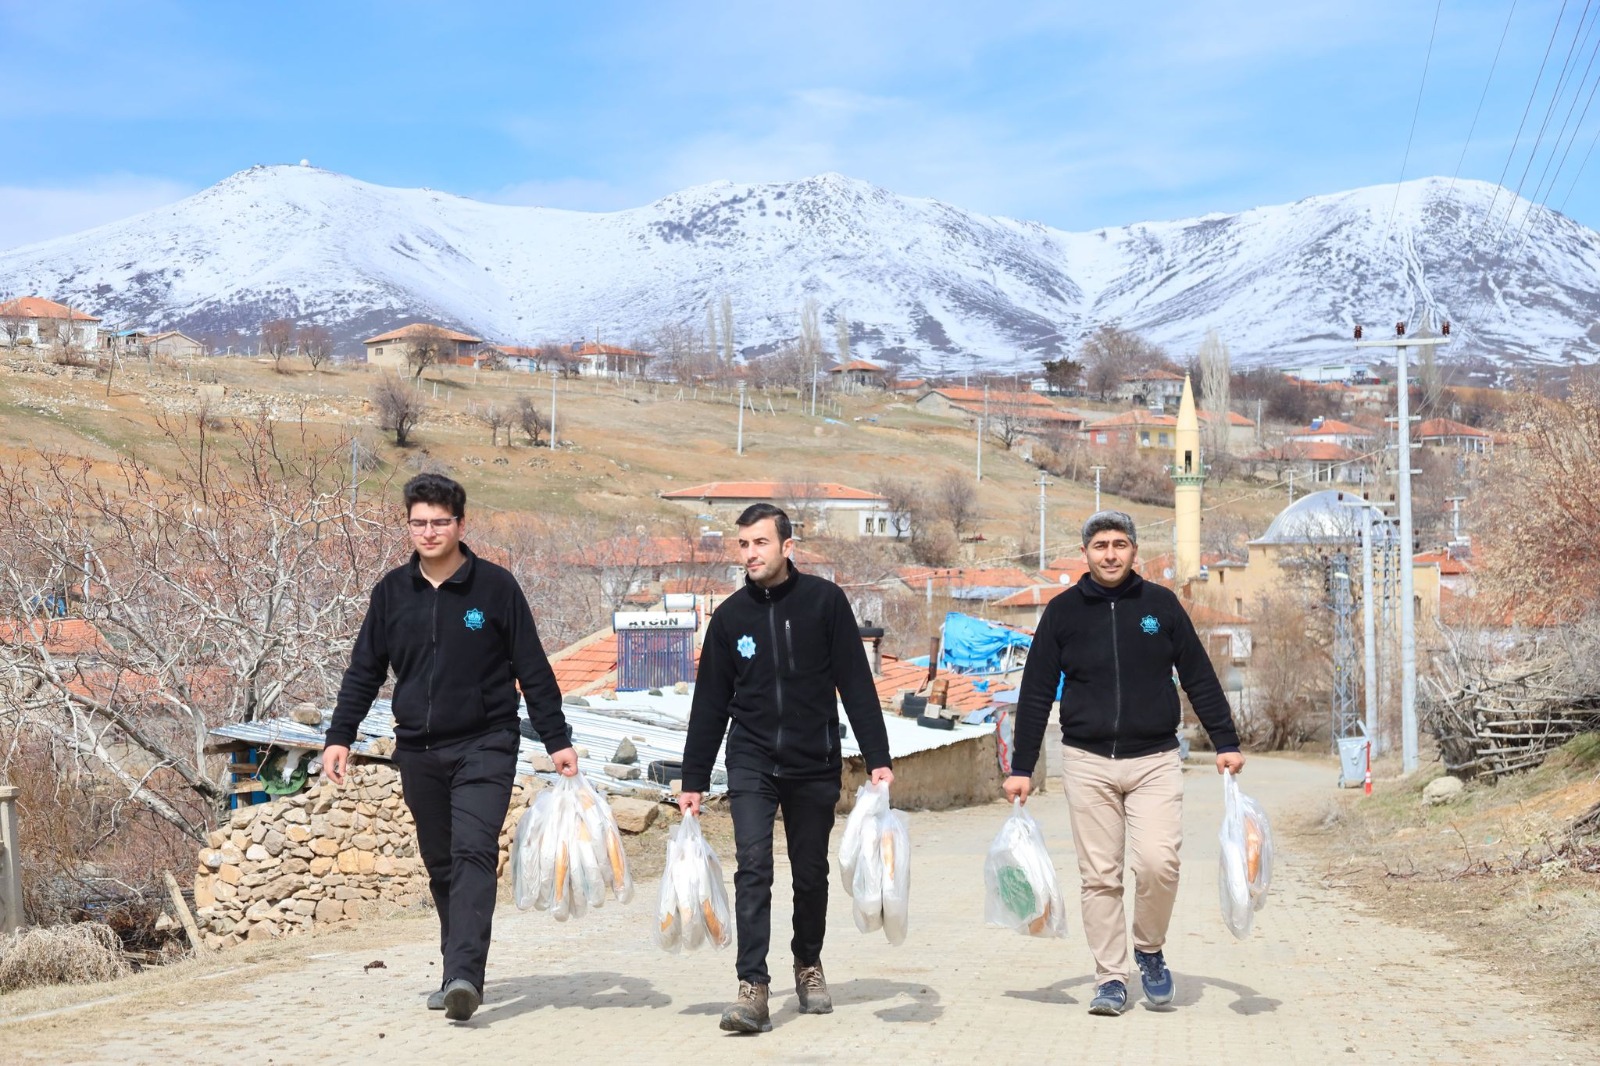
(1332, 516)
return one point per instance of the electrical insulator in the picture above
(1444, 327)
(1399, 329)
(1358, 332)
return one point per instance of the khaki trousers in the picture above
(1118, 805)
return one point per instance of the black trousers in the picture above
(458, 795)
(807, 806)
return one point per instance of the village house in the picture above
(174, 345)
(1152, 388)
(856, 375)
(1310, 461)
(814, 507)
(1446, 436)
(1333, 431)
(608, 360)
(33, 320)
(392, 350)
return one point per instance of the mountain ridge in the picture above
(921, 282)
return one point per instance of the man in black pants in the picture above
(459, 634)
(775, 655)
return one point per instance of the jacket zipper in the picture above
(1116, 667)
(433, 668)
(777, 680)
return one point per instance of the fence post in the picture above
(10, 863)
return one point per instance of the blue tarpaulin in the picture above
(973, 646)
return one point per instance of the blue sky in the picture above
(1075, 114)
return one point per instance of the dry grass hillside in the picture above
(621, 445)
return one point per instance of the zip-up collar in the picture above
(1091, 589)
(462, 575)
(762, 594)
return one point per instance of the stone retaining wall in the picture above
(327, 855)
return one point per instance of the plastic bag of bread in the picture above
(1021, 890)
(875, 864)
(567, 852)
(692, 909)
(1244, 870)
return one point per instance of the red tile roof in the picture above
(958, 394)
(1333, 425)
(582, 667)
(60, 636)
(1448, 564)
(406, 332)
(1313, 451)
(950, 577)
(960, 695)
(1444, 427)
(910, 386)
(1136, 417)
(39, 307)
(1203, 614)
(857, 364)
(1154, 374)
(769, 490)
(1033, 596)
(1234, 418)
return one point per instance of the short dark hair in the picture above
(1110, 522)
(437, 490)
(757, 511)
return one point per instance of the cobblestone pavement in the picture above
(1316, 982)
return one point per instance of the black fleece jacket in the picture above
(772, 661)
(1113, 651)
(458, 651)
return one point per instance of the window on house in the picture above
(1144, 438)
(883, 525)
(1099, 438)
(1238, 606)
(378, 351)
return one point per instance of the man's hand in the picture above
(566, 761)
(335, 760)
(883, 776)
(689, 803)
(1230, 760)
(1017, 787)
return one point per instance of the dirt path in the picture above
(1317, 982)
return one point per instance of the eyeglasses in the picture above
(419, 525)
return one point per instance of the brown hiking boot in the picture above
(812, 988)
(749, 1013)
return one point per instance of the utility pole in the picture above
(555, 374)
(741, 416)
(1042, 484)
(1408, 610)
(1369, 625)
(1455, 503)
(983, 418)
(1097, 470)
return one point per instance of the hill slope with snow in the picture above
(920, 281)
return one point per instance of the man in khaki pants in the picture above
(1112, 643)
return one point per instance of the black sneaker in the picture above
(1155, 977)
(460, 1000)
(1110, 999)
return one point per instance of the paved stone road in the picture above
(1315, 983)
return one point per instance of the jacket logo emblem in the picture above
(474, 619)
(1150, 624)
(747, 646)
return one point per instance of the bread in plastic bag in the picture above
(1021, 890)
(567, 852)
(875, 864)
(1244, 865)
(692, 909)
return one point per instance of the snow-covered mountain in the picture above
(919, 281)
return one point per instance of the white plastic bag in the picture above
(692, 908)
(1244, 870)
(875, 864)
(567, 852)
(1022, 891)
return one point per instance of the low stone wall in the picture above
(326, 855)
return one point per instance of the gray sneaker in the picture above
(460, 1000)
(812, 988)
(749, 1012)
(436, 999)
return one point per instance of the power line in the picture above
(1544, 124)
(1486, 83)
(1506, 169)
(1592, 142)
(1527, 221)
(1406, 158)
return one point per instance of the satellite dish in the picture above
(305, 162)
(1166, 572)
(639, 530)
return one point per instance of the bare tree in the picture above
(802, 499)
(399, 407)
(530, 420)
(956, 499)
(1111, 354)
(316, 344)
(841, 334)
(710, 338)
(427, 346)
(811, 339)
(496, 416)
(277, 337)
(682, 351)
(1010, 417)
(13, 323)
(727, 330)
(1216, 374)
(1430, 381)
(194, 614)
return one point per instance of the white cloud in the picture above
(38, 214)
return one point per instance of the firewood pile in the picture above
(1497, 710)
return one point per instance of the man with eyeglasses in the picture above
(460, 637)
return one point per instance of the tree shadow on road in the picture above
(592, 990)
